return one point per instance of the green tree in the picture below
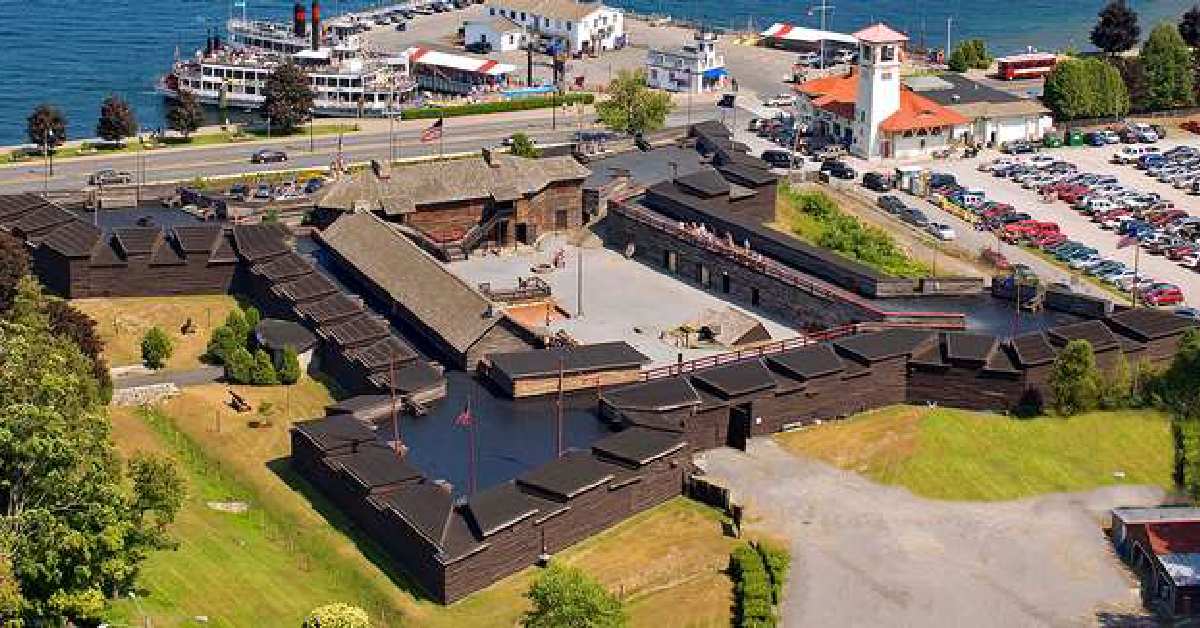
(239, 366)
(337, 615)
(632, 106)
(1167, 60)
(14, 264)
(1068, 90)
(565, 596)
(289, 370)
(253, 317)
(74, 527)
(1117, 386)
(1074, 379)
(236, 322)
(1189, 26)
(156, 348)
(288, 97)
(1179, 386)
(523, 146)
(969, 54)
(46, 123)
(117, 121)
(185, 115)
(223, 342)
(1133, 76)
(1112, 95)
(1117, 28)
(68, 321)
(263, 373)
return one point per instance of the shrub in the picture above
(252, 318)
(289, 370)
(337, 615)
(753, 588)
(565, 596)
(156, 348)
(263, 372)
(1074, 379)
(777, 560)
(239, 366)
(223, 342)
(521, 104)
(236, 323)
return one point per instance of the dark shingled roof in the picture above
(426, 506)
(929, 355)
(307, 288)
(885, 344)
(288, 266)
(355, 332)
(639, 446)
(74, 239)
(1032, 349)
(380, 354)
(40, 220)
(808, 362)
(137, 240)
(969, 347)
(13, 206)
(1003, 360)
(570, 475)
(197, 238)
(739, 378)
(165, 254)
(224, 252)
(1095, 332)
(375, 466)
(276, 334)
(580, 359)
(1148, 323)
(370, 408)
(106, 254)
(705, 183)
(413, 377)
(667, 393)
(747, 174)
(261, 241)
(333, 432)
(332, 308)
(499, 507)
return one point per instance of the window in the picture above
(568, 26)
(670, 260)
(725, 283)
(705, 276)
(754, 297)
(522, 16)
(546, 21)
(887, 53)
(491, 10)
(560, 219)
(887, 76)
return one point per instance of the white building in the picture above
(503, 34)
(570, 26)
(696, 67)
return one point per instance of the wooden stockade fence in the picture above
(707, 492)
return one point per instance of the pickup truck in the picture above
(108, 176)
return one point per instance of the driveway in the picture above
(864, 554)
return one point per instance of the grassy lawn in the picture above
(200, 139)
(123, 321)
(667, 562)
(959, 455)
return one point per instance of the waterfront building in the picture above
(449, 73)
(695, 68)
(802, 39)
(497, 31)
(994, 116)
(870, 112)
(574, 27)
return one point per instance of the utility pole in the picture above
(579, 281)
(823, 9)
(558, 442)
(949, 20)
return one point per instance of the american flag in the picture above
(434, 132)
(464, 418)
(1125, 241)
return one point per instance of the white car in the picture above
(808, 59)
(1041, 161)
(781, 100)
(941, 231)
(1110, 136)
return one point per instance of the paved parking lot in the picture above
(1079, 227)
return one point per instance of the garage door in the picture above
(1010, 129)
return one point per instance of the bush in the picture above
(263, 373)
(565, 596)
(289, 370)
(252, 318)
(236, 323)
(239, 366)
(753, 588)
(156, 348)
(777, 560)
(223, 342)
(970, 54)
(1074, 379)
(337, 615)
(521, 104)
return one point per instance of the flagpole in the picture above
(442, 137)
(558, 444)
(472, 459)
(1137, 250)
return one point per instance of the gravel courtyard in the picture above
(869, 555)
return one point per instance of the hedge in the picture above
(753, 589)
(519, 104)
(777, 560)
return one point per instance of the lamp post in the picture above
(49, 169)
(823, 9)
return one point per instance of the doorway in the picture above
(522, 232)
(739, 426)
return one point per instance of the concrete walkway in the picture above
(182, 379)
(864, 554)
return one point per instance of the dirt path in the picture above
(870, 555)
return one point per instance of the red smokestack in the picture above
(298, 20)
(316, 24)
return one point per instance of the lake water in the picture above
(75, 52)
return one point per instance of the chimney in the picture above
(298, 26)
(316, 24)
(489, 157)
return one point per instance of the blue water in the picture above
(74, 52)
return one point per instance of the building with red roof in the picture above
(1162, 544)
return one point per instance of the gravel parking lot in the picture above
(864, 554)
(1078, 226)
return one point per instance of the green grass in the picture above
(203, 139)
(959, 455)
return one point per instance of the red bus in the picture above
(1031, 65)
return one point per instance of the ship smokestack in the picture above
(298, 20)
(316, 24)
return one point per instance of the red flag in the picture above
(1125, 241)
(464, 418)
(434, 132)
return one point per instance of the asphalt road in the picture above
(461, 135)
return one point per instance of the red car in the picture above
(1048, 240)
(996, 259)
(1163, 294)
(1177, 253)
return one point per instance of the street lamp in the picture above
(49, 170)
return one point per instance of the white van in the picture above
(1130, 154)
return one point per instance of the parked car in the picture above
(1018, 147)
(267, 155)
(1188, 312)
(838, 169)
(891, 204)
(915, 217)
(1163, 295)
(941, 231)
(1094, 138)
(314, 185)
(108, 176)
(263, 191)
(479, 47)
(877, 181)
(781, 100)
(778, 158)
